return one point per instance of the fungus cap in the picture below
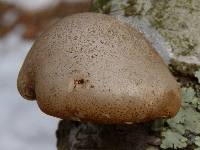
(92, 67)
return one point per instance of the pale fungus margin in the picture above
(92, 67)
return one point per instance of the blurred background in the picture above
(22, 124)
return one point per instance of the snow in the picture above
(32, 4)
(9, 18)
(38, 4)
(22, 124)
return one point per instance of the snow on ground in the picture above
(37, 4)
(22, 125)
(33, 4)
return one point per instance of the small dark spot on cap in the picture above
(91, 86)
(81, 81)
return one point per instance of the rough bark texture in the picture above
(73, 135)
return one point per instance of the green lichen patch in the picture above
(101, 6)
(173, 140)
(197, 141)
(175, 135)
(135, 7)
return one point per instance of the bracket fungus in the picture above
(93, 67)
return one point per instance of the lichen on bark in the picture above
(177, 21)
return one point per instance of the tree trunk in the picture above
(73, 135)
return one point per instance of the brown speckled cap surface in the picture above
(92, 67)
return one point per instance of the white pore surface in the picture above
(22, 125)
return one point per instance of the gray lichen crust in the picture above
(177, 21)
